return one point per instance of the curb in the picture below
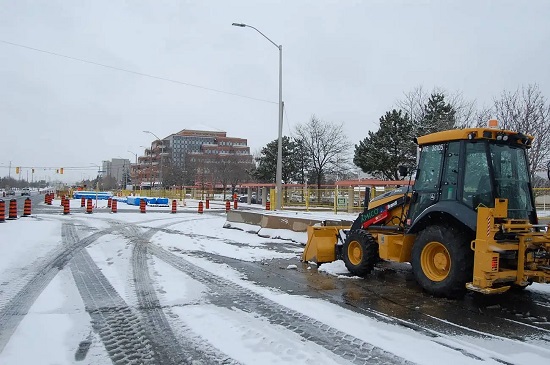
(273, 221)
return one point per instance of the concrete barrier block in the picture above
(279, 221)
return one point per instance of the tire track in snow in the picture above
(120, 330)
(231, 295)
(18, 306)
(441, 331)
(173, 350)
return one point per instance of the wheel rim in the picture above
(355, 253)
(435, 261)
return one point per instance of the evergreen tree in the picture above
(438, 115)
(267, 162)
(381, 153)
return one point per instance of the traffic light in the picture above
(61, 171)
(17, 170)
(57, 171)
(33, 171)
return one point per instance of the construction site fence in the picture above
(349, 199)
(336, 199)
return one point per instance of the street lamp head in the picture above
(239, 25)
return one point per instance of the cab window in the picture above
(427, 175)
(477, 189)
(449, 179)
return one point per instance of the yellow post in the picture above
(335, 200)
(351, 199)
(272, 197)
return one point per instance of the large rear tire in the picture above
(360, 252)
(442, 261)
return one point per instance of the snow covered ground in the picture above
(131, 288)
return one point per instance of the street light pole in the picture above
(97, 182)
(135, 154)
(150, 164)
(279, 172)
(161, 154)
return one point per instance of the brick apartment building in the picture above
(194, 154)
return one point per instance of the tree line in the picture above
(317, 154)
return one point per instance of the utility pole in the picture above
(279, 167)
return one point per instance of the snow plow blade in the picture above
(321, 243)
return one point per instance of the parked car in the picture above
(10, 192)
(255, 200)
(26, 191)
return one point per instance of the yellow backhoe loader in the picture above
(467, 222)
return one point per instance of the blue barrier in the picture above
(162, 201)
(134, 200)
(101, 195)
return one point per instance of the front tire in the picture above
(360, 252)
(442, 261)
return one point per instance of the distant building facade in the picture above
(187, 154)
(117, 168)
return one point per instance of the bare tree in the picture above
(481, 116)
(230, 170)
(177, 175)
(342, 169)
(527, 111)
(414, 104)
(465, 110)
(325, 143)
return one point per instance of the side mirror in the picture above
(404, 171)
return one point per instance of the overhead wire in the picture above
(137, 73)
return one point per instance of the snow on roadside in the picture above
(242, 336)
(56, 325)
(112, 254)
(413, 346)
(175, 288)
(250, 339)
(20, 246)
(539, 288)
(208, 235)
(337, 268)
(283, 234)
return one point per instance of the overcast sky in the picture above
(344, 61)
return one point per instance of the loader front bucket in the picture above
(321, 243)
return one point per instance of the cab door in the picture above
(426, 189)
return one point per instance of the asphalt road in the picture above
(143, 335)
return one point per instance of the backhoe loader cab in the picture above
(461, 170)
(468, 222)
